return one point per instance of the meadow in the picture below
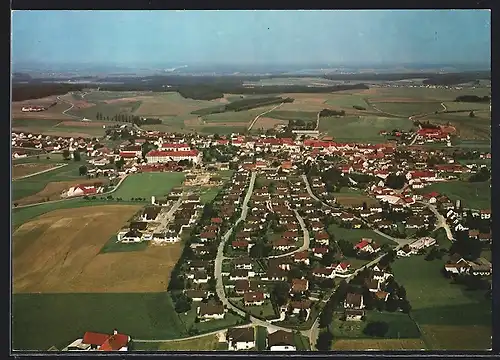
(204, 343)
(146, 185)
(378, 344)
(436, 301)
(472, 195)
(408, 108)
(355, 235)
(361, 128)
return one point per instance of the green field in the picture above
(207, 195)
(347, 101)
(400, 325)
(293, 115)
(355, 235)
(363, 128)
(146, 185)
(408, 108)
(43, 320)
(107, 110)
(301, 342)
(452, 106)
(244, 116)
(446, 313)
(437, 94)
(261, 338)
(471, 195)
(35, 123)
(29, 186)
(205, 343)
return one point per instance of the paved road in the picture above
(40, 172)
(396, 240)
(317, 121)
(258, 116)
(73, 197)
(441, 220)
(220, 250)
(305, 234)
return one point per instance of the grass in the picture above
(261, 338)
(207, 195)
(408, 108)
(347, 101)
(43, 320)
(243, 117)
(361, 128)
(205, 343)
(146, 185)
(471, 195)
(293, 115)
(264, 311)
(442, 337)
(25, 187)
(355, 235)
(222, 130)
(301, 342)
(378, 344)
(113, 246)
(35, 123)
(400, 325)
(458, 106)
(435, 300)
(107, 110)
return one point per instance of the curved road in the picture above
(258, 116)
(71, 107)
(441, 220)
(305, 233)
(40, 172)
(397, 241)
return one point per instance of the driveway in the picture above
(305, 235)
(441, 220)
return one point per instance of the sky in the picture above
(252, 37)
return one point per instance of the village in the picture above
(279, 241)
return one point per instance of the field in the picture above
(146, 185)
(436, 302)
(348, 198)
(378, 344)
(361, 128)
(59, 252)
(355, 235)
(466, 106)
(204, 343)
(407, 108)
(400, 325)
(293, 115)
(266, 123)
(30, 186)
(472, 195)
(20, 170)
(43, 320)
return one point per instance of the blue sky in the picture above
(232, 37)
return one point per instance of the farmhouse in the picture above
(353, 301)
(422, 243)
(253, 298)
(354, 315)
(101, 342)
(240, 338)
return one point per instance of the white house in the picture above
(158, 156)
(281, 341)
(240, 338)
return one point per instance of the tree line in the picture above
(472, 98)
(21, 92)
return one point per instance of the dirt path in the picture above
(258, 116)
(40, 172)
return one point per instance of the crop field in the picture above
(449, 337)
(44, 320)
(222, 130)
(244, 117)
(146, 185)
(437, 94)
(293, 115)
(407, 108)
(29, 186)
(355, 235)
(20, 170)
(466, 106)
(436, 301)
(352, 199)
(204, 343)
(472, 195)
(347, 101)
(477, 128)
(361, 128)
(378, 344)
(54, 112)
(266, 123)
(60, 252)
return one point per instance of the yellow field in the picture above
(204, 343)
(376, 344)
(59, 252)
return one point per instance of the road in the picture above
(68, 109)
(441, 220)
(220, 250)
(396, 240)
(40, 172)
(73, 197)
(317, 121)
(306, 242)
(258, 116)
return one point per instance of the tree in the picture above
(402, 292)
(471, 114)
(280, 293)
(119, 163)
(376, 329)
(392, 304)
(325, 317)
(324, 342)
(76, 155)
(395, 181)
(405, 306)
(66, 154)
(82, 170)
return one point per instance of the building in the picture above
(240, 338)
(100, 342)
(159, 156)
(281, 341)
